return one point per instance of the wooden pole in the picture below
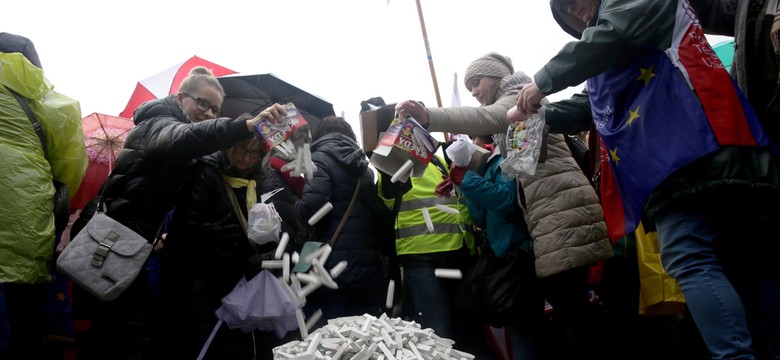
(430, 60)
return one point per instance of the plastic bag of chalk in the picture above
(524, 142)
(264, 224)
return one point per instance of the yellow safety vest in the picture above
(449, 230)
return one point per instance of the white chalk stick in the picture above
(313, 319)
(307, 164)
(336, 270)
(390, 293)
(282, 245)
(301, 323)
(427, 217)
(317, 253)
(313, 343)
(309, 288)
(290, 166)
(298, 162)
(323, 274)
(337, 355)
(447, 209)
(324, 210)
(402, 171)
(307, 277)
(295, 257)
(290, 292)
(286, 267)
(272, 264)
(296, 288)
(325, 253)
(386, 351)
(448, 273)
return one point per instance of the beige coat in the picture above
(563, 213)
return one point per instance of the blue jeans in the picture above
(429, 299)
(691, 236)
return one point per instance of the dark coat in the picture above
(284, 203)
(155, 160)
(206, 253)
(340, 162)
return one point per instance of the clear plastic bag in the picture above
(264, 224)
(524, 142)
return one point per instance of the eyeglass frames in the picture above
(203, 104)
(255, 154)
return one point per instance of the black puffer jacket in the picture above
(339, 163)
(205, 254)
(155, 160)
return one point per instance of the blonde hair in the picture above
(198, 77)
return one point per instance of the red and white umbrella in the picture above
(167, 82)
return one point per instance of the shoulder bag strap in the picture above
(332, 241)
(237, 210)
(30, 115)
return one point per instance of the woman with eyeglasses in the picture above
(207, 252)
(170, 134)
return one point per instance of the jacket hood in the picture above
(166, 106)
(557, 16)
(344, 151)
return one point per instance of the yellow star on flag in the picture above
(646, 74)
(613, 155)
(633, 115)
(60, 296)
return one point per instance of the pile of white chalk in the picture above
(368, 337)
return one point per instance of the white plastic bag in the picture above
(264, 224)
(524, 142)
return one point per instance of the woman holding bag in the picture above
(170, 133)
(207, 252)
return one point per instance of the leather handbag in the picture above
(499, 289)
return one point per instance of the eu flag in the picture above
(658, 113)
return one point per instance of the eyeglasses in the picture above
(255, 154)
(203, 104)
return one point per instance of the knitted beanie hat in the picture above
(490, 64)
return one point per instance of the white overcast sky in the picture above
(344, 51)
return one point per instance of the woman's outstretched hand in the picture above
(274, 113)
(529, 100)
(413, 108)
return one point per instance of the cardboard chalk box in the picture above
(373, 124)
(479, 160)
(404, 140)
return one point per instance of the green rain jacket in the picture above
(26, 218)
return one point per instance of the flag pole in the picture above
(430, 60)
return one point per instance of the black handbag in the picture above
(500, 290)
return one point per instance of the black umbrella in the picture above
(253, 93)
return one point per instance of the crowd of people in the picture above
(678, 146)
